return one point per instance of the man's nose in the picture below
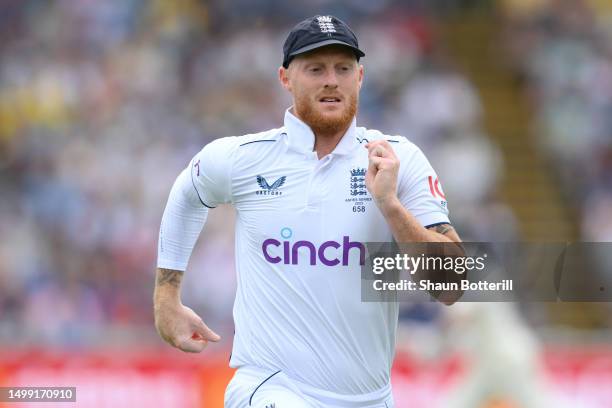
(331, 79)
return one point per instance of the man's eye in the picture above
(315, 69)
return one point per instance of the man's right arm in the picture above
(201, 186)
(182, 222)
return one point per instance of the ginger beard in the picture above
(326, 123)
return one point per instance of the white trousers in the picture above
(254, 387)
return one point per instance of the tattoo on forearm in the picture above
(169, 276)
(443, 228)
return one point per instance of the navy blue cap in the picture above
(319, 31)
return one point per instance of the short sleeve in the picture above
(211, 172)
(420, 190)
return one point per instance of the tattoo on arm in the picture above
(443, 228)
(169, 276)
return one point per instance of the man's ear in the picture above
(283, 77)
(360, 75)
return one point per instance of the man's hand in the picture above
(182, 328)
(381, 177)
(177, 324)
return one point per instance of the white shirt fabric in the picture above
(299, 225)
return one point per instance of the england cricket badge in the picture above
(357, 192)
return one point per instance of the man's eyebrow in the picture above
(313, 62)
(323, 62)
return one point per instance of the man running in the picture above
(307, 196)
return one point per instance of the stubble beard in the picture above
(324, 125)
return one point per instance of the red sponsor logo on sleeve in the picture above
(435, 187)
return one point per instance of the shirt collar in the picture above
(301, 137)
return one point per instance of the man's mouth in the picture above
(329, 100)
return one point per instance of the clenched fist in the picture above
(381, 177)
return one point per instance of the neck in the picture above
(326, 143)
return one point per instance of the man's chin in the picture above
(328, 120)
(329, 125)
(331, 117)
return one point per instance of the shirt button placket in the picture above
(318, 188)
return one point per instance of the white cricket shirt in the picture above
(299, 228)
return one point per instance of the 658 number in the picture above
(359, 208)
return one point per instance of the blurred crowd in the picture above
(102, 103)
(562, 51)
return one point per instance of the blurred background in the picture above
(103, 103)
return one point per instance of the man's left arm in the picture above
(381, 181)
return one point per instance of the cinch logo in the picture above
(327, 253)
